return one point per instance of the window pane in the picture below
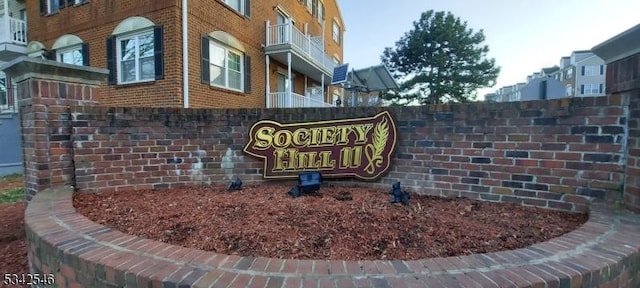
(128, 49)
(128, 69)
(216, 55)
(217, 75)
(234, 62)
(147, 68)
(235, 80)
(146, 45)
(76, 57)
(54, 5)
(235, 4)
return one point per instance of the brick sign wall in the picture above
(550, 153)
(544, 153)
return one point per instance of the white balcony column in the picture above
(268, 86)
(289, 79)
(7, 20)
(267, 39)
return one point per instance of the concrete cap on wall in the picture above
(24, 67)
(623, 45)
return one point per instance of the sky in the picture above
(523, 36)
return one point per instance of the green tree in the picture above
(440, 60)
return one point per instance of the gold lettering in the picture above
(264, 138)
(350, 157)
(343, 135)
(301, 137)
(315, 136)
(325, 160)
(328, 135)
(293, 154)
(282, 139)
(362, 130)
(279, 155)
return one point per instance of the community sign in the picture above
(360, 147)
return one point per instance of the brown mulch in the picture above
(265, 221)
(13, 249)
(10, 183)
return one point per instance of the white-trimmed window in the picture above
(226, 67)
(320, 13)
(70, 49)
(335, 28)
(135, 52)
(242, 6)
(309, 5)
(592, 70)
(136, 61)
(569, 73)
(53, 6)
(591, 89)
(72, 55)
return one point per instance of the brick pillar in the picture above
(48, 93)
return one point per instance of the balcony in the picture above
(13, 37)
(307, 52)
(293, 100)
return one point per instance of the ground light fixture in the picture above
(235, 185)
(308, 182)
(398, 195)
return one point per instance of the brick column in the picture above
(622, 55)
(48, 93)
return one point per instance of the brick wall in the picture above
(554, 153)
(623, 79)
(94, 21)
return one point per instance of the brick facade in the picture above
(623, 79)
(94, 21)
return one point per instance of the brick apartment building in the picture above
(241, 53)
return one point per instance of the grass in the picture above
(13, 194)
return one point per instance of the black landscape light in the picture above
(309, 182)
(294, 192)
(235, 185)
(399, 195)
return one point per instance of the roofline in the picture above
(619, 46)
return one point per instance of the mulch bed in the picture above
(13, 249)
(265, 221)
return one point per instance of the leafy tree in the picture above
(440, 60)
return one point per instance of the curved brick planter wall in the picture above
(605, 252)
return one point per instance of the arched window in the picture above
(70, 49)
(35, 49)
(134, 52)
(224, 62)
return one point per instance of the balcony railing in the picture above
(13, 30)
(311, 47)
(283, 100)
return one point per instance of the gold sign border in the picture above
(354, 175)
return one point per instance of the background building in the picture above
(13, 43)
(241, 53)
(582, 74)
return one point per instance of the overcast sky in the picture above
(523, 36)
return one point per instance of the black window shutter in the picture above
(52, 55)
(247, 74)
(157, 52)
(43, 7)
(204, 54)
(61, 3)
(582, 70)
(601, 69)
(111, 59)
(601, 88)
(71, 3)
(85, 54)
(247, 8)
(582, 89)
(314, 8)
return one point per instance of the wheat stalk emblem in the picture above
(376, 148)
